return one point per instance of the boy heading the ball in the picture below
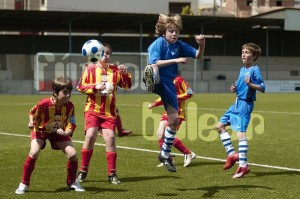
(99, 82)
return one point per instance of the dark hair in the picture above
(108, 46)
(61, 83)
(254, 48)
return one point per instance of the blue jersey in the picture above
(160, 49)
(243, 91)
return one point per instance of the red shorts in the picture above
(52, 137)
(94, 120)
(164, 117)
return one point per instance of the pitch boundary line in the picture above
(191, 108)
(177, 154)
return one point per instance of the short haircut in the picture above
(61, 83)
(165, 21)
(108, 46)
(254, 48)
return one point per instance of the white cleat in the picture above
(160, 164)
(188, 159)
(76, 186)
(21, 189)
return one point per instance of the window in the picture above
(249, 3)
(3, 62)
(179, 8)
(278, 3)
(19, 4)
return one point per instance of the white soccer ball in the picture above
(93, 49)
(109, 88)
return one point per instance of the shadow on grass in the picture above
(167, 194)
(135, 179)
(93, 189)
(259, 174)
(144, 178)
(211, 191)
(199, 163)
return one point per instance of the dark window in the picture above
(278, 3)
(294, 73)
(249, 3)
(19, 4)
(177, 8)
(3, 62)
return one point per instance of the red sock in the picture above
(111, 158)
(72, 167)
(178, 144)
(119, 124)
(86, 156)
(28, 168)
(160, 142)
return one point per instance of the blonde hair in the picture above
(165, 21)
(253, 48)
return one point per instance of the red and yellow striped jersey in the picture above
(184, 92)
(102, 104)
(48, 118)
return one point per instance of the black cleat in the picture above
(167, 162)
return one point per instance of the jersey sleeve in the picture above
(125, 81)
(184, 91)
(158, 102)
(85, 84)
(154, 50)
(258, 79)
(186, 50)
(70, 121)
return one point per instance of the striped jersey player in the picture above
(99, 82)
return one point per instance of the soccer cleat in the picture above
(151, 78)
(21, 189)
(81, 176)
(168, 162)
(124, 133)
(76, 186)
(162, 164)
(231, 160)
(188, 159)
(113, 178)
(241, 171)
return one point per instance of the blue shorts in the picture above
(238, 115)
(167, 91)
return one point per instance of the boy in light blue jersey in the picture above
(238, 114)
(165, 53)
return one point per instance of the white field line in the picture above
(192, 108)
(218, 109)
(177, 154)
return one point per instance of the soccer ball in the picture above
(93, 49)
(109, 88)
